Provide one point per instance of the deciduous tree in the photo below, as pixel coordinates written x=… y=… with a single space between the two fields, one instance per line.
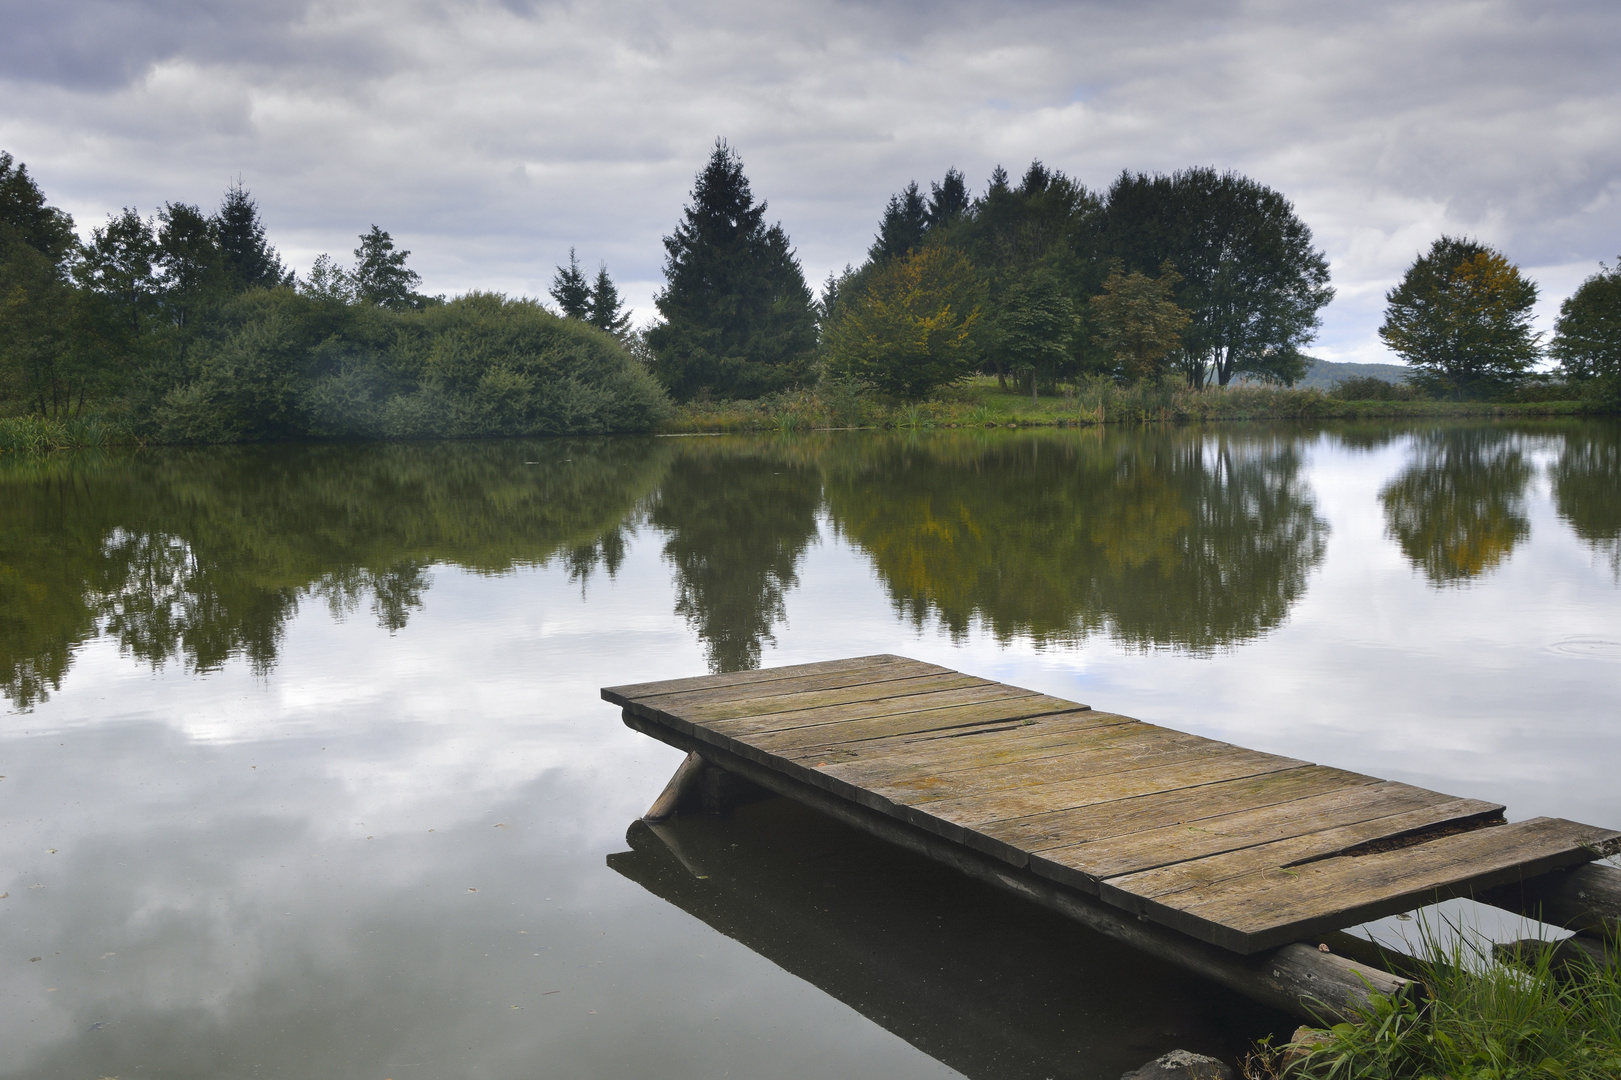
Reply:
x=1252 y=283
x=1461 y=317
x=914 y=326
x=1139 y=325
x=1587 y=337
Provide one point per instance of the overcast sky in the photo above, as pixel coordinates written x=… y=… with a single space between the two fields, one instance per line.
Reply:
x=489 y=137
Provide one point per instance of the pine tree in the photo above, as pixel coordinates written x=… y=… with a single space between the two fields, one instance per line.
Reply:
x=739 y=320
x=381 y=277
x=250 y=261
x=607 y=310
x=570 y=290
x=948 y=200
x=904 y=223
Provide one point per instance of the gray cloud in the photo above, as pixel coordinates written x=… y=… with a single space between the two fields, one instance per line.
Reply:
x=489 y=137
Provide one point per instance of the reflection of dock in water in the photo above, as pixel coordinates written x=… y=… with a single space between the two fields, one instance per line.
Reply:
x=971 y=976
x=1225 y=860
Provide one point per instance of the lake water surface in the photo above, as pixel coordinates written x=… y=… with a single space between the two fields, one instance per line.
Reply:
x=305 y=773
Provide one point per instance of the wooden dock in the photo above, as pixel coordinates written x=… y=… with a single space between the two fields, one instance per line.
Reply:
x=1233 y=848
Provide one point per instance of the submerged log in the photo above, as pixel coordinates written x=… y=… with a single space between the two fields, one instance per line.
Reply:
x=1298 y=978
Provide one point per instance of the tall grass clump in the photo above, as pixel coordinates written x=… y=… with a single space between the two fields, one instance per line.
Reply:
x=1544 y=1014
x=41 y=435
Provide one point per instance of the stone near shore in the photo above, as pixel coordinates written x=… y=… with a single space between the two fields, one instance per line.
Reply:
x=1182 y=1065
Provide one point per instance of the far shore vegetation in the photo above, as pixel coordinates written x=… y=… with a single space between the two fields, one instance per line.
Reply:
x=1182 y=297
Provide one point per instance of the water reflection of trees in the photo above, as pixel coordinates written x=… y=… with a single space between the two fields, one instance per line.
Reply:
x=1458 y=509
x=200 y=556
x=738 y=515
x=1160 y=536
x=1587 y=488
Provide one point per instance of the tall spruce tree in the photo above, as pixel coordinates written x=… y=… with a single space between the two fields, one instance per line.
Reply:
x=250 y=261
x=948 y=200
x=739 y=320
x=607 y=310
x=901 y=231
x=570 y=289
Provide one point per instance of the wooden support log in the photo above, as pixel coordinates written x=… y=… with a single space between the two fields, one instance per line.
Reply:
x=686 y=775
x=1581 y=898
x=1299 y=978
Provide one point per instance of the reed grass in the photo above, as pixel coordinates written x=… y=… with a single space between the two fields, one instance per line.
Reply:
x=42 y=435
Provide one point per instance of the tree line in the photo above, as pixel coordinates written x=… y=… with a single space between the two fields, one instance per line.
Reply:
x=187 y=325
x=1199 y=275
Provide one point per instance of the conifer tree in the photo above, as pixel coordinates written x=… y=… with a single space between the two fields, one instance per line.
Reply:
x=739 y=320
x=904 y=222
x=570 y=289
x=607 y=310
x=381 y=277
x=948 y=200
x=250 y=261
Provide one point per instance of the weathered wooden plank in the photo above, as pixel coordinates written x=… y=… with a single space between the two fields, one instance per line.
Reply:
x=882 y=719
x=1247 y=829
x=883 y=677
x=1201 y=872
x=982 y=762
x=619 y=695
x=989 y=743
x=1264 y=909
x=1043 y=832
x=976 y=811
x=1218 y=847
x=1149 y=748
x=778 y=704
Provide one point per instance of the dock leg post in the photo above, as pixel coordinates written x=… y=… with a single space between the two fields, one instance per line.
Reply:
x=686 y=775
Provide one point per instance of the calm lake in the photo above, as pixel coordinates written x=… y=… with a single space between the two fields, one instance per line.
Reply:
x=305 y=772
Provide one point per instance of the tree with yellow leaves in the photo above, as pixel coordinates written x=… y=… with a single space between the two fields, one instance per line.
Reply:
x=1139 y=325
x=1462 y=318
x=914 y=327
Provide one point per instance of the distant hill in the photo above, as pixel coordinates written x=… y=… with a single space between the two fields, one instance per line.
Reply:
x=1323 y=374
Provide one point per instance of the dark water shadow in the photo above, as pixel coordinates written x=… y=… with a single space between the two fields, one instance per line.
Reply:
x=981 y=981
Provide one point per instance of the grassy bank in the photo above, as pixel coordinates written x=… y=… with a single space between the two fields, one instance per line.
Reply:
x=1482 y=1020
x=981 y=403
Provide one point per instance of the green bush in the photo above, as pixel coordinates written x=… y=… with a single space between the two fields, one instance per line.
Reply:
x=1369 y=388
x=286 y=366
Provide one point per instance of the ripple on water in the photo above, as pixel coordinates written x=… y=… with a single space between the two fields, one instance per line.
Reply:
x=1588 y=648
